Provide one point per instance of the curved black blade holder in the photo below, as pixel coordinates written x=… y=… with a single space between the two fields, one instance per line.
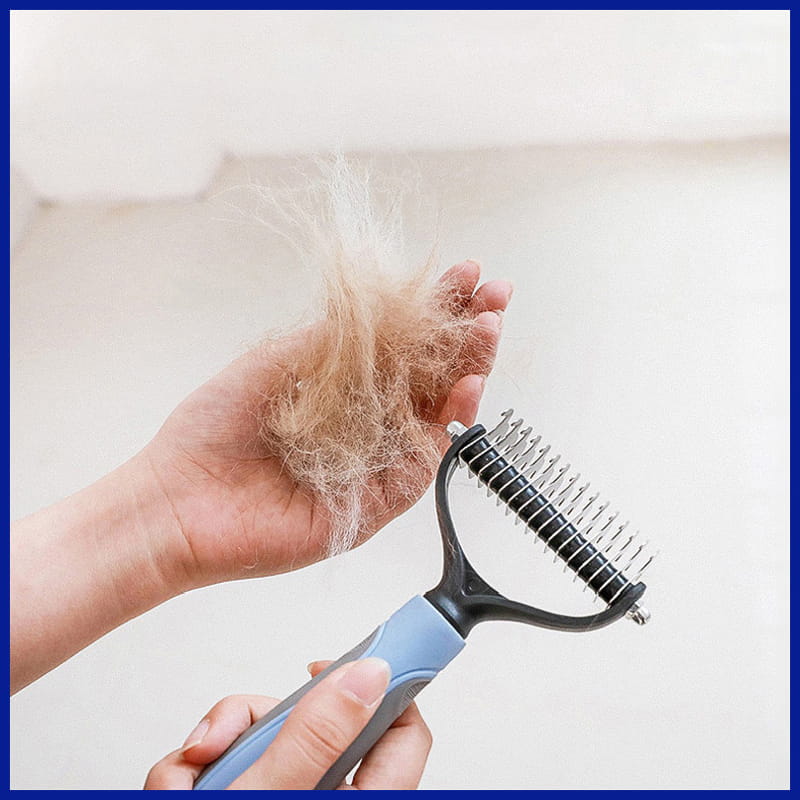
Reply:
x=463 y=597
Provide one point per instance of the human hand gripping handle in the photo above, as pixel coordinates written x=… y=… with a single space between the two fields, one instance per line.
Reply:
x=416 y=642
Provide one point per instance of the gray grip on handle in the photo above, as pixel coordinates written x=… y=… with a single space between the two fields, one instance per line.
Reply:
x=416 y=641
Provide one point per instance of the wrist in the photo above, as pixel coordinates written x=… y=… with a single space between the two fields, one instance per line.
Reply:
x=152 y=533
x=87 y=564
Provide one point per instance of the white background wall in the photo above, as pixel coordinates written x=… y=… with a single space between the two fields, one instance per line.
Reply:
x=647 y=339
x=145 y=104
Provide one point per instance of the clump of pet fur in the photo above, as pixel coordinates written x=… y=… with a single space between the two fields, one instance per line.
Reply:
x=350 y=412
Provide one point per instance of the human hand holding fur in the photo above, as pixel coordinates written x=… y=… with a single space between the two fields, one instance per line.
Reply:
x=210 y=498
x=240 y=510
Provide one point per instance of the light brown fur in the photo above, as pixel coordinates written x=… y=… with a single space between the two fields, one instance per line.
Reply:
x=359 y=397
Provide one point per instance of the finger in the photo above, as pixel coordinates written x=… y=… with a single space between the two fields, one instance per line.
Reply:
x=463 y=401
x=492 y=296
x=477 y=358
x=398 y=760
x=173 y=772
x=320 y=728
x=460 y=282
x=223 y=723
x=315 y=667
x=481 y=347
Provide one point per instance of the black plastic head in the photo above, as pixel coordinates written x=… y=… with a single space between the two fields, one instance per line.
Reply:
x=466 y=599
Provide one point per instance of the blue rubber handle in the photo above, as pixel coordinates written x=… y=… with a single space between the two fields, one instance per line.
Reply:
x=416 y=641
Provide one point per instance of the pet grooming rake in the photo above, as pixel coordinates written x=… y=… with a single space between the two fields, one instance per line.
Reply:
x=423 y=636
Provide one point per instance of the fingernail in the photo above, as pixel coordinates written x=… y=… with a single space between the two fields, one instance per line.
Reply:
x=366 y=680
x=196 y=736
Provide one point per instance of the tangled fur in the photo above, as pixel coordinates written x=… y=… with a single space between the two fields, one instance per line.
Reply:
x=350 y=412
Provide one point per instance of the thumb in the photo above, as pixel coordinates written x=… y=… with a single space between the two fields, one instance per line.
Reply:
x=320 y=728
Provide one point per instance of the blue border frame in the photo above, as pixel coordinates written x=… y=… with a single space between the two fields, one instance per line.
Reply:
x=6 y=335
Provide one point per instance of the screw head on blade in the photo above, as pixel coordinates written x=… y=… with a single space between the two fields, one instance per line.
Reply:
x=455 y=429
x=639 y=614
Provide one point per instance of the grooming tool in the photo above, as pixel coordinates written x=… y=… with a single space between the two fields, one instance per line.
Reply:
x=423 y=636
